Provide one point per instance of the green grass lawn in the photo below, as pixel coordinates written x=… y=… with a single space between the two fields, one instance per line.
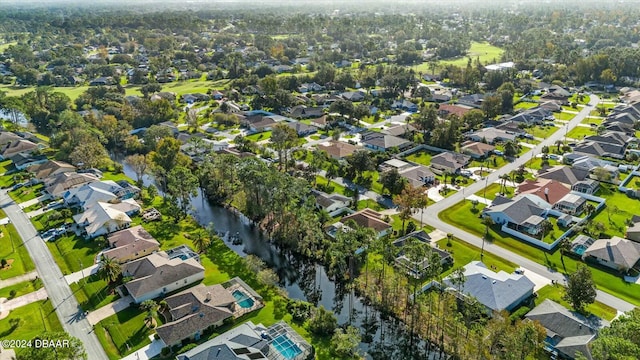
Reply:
x=460 y=215
x=596 y=112
x=493 y=162
x=576 y=98
x=29 y=321
x=332 y=187
x=525 y=105
x=464 y=253
x=563 y=116
x=12 y=249
x=93 y=293
x=26 y=193
x=123 y=333
x=592 y=120
x=6 y=181
x=110 y=175
x=619 y=208
x=542 y=131
x=259 y=136
x=493 y=190
x=4 y=166
x=70 y=251
x=5 y=46
x=421 y=157
x=536 y=163
x=486 y=52
x=22 y=288
x=373 y=176
x=580 y=132
x=556 y=292
x=41 y=222
x=371 y=204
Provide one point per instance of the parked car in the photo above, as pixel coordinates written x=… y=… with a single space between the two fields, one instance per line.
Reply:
x=466 y=173
x=17 y=186
x=498 y=152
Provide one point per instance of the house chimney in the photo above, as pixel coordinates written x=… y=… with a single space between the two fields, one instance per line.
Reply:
x=208 y=298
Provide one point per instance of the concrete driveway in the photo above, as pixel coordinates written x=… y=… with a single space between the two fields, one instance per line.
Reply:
x=104 y=312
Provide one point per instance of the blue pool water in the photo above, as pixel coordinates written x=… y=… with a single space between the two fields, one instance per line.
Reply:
x=286 y=347
x=580 y=249
x=242 y=299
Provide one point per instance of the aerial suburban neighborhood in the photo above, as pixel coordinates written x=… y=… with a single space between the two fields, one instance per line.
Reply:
x=367 y=180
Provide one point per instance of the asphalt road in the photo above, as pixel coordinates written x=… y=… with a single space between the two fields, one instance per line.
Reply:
x=60 y=294
x=431 y=213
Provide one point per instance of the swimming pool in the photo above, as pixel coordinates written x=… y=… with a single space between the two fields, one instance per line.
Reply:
x=579 y=249
x=286 y=347
x=242 y=299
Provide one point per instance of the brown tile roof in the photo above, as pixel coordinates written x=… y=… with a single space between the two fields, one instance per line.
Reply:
x=18 y=146
x=338 y=149
x=367 y=218
x=550 y=191
x=133 y=240
x=44 y=170
x=477 y=148
x=454 y=109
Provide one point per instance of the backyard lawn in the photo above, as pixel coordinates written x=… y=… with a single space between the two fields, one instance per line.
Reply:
x=563 y=116
x=332 y=187
x=592 y=120
x=556 y=292
x=70 y=251
x=124 y=332
x=464 y=253
x=579 y=132
x=618 y=209
x=12 y=249
x=542 y=131
x=493 y=190
x=421 y=157
x=29 y=321
x=259 y=136
x=460 y=215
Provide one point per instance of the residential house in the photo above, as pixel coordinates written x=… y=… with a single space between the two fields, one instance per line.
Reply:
x=57 y=185
x=496 y=291
x=537 y=115
x=258 y=123
x=102 y=81
x=449 y=162
x=405 y=105
x=253 y=342
x=333 y=204
x=417 y=268
x=491 y=135
x=522 y=213
x=130 y=244
x=18 y=147
x=353 y=96
x=366 y=218
x=615 y=253
x=556 y=93
x=88 y=194
x=511 y=127
x=307 y=87
x=601 y=149
x=7 y=137
x=588 y=186
x=564 y=174
x=103 y=218
x=477 y=150
x=156 y=275
x=472 y=100
x=572 y=204
x=338 y=149
x=418 y=175
x=382 y=142
x=50 y=168
x=320 y=122
x=550 y=191
x=400 y=130
x=568 y=332
x=302 y=129
x=633 y=232
x=396 y=164
x=22 y=161
x=304 y=112
x=451 y=109
x=191 y=312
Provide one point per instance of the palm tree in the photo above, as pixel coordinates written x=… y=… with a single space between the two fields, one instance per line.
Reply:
x=589 y=209
x=109 y=269
x=201 y=242
x=151 y=307
x=565 y=247
x=487 y=221
x=546 y=226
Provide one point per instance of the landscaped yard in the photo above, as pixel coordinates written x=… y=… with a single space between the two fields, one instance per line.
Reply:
x=48 y=220
x=493 y=162
x=332 y=187
x=464 y=253
x=371 y=204
x=525 y=105
x=22 y=288
x=12 y=249
x=580 y=132
x=536 y=163
x=26 y=193
x=124 y=332
x=580 y=99
x=563 y=116
x=619 y=208
x=93 y=293
x=73 y=253
x=484 y=51
x=421 y=157
x=592 y=120
x=29 y=321
x=4 y=166
x=542 y=131
x=556 y=292
x=259 y=136
x=460 y=215
x=493 y=190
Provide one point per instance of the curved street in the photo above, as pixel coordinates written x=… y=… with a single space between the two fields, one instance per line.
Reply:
x=431 y=213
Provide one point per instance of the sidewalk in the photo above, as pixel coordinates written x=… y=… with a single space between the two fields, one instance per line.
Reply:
x=28 y=203
x=147 y=352
x=79 y=275
x=18 y=279
x=480 y=199
x=23 y=300
x=111 y=309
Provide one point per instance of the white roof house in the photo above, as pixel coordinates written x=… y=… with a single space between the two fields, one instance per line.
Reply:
x=91 y=193
x=103 y=218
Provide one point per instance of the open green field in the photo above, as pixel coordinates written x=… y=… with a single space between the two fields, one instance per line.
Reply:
x=556 y=292
x=421 y=157
x=12 y=249
x=580 y=132
x=486 y=52
x=462 y=216
x=29 y=321
x=331 y=187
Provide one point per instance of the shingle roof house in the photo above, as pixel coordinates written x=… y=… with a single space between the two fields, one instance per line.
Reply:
x=448 y=161
x=155 y=275
x=381 y=142
x=102 y=218
x=363 y=218
x=50 y=168
x=616 y=253
x=18 y=146
x=58 y=184
x=130 y=244
x=564 y=174
x=548 y=190
x=567 y=332
x=338 y=149
x=190 y=312
x=496 y=291
x=522 y=210
x=491 y=135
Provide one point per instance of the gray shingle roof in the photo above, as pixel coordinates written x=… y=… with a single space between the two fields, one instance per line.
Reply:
x=519 y=209
x=622 y=252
